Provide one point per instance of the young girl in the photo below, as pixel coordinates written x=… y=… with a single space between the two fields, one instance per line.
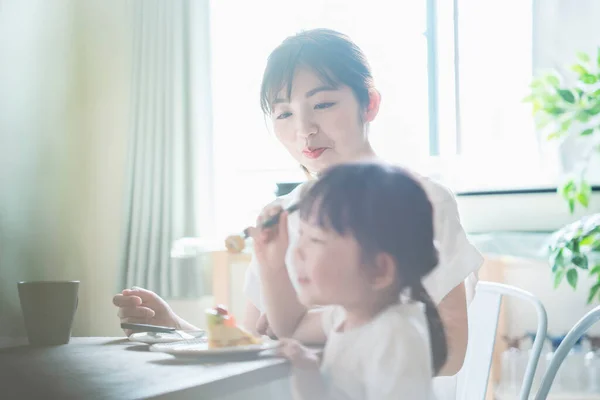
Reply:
x=366 y=242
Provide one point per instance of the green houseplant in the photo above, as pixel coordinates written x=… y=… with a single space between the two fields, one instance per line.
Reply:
x=571 y=109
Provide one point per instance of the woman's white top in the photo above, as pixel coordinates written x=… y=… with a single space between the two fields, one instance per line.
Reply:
x=459 y=259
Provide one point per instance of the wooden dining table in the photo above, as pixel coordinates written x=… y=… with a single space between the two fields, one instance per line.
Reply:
x=116 y=368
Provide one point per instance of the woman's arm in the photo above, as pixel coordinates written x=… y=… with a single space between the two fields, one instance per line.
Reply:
x=251 y=316
x=453 y=311
x=287 y=317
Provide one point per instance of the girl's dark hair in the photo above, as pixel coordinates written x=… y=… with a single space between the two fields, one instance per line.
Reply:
x=388 y=211
x=330 y=54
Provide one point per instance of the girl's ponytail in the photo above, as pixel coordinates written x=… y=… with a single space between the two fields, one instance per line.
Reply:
x=437 y=334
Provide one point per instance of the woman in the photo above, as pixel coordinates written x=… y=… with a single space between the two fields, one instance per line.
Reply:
x=318 y=90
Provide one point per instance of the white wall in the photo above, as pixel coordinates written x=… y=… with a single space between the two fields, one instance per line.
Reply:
x=64 y=81
x=39 y=161
x=103 y=44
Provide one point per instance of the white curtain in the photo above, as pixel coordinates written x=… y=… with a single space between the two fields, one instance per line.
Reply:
x=162 y=192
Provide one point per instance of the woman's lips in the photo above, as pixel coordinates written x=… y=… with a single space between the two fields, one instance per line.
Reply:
x=303 y=281
x=313 y=153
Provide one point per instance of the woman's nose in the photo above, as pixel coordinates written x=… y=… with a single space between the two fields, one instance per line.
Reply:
x=306 y=127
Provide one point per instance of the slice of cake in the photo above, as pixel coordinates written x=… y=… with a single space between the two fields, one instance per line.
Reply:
x=223 y=330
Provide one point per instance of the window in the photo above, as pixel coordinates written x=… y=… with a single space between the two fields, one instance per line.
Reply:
x=482 y=137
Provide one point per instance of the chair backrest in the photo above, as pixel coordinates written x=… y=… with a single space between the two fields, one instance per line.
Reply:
x=483 y=321
x=578 y=330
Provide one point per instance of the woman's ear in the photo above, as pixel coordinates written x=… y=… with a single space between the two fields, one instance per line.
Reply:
x=383 y=271
x=373 y=106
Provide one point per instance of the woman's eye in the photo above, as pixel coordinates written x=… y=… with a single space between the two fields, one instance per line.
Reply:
x=316 y=240
x=322 y=106
x=284 y=115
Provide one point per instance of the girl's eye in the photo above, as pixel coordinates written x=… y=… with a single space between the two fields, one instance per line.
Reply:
x=316 y=240
x=322 y=106
x=284 y=115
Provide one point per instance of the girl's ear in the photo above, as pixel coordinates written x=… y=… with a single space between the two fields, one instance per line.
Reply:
x=383 y=271
x=373 y=106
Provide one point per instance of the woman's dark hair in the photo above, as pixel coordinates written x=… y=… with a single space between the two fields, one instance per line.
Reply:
x=330 y=54
x=387 y=210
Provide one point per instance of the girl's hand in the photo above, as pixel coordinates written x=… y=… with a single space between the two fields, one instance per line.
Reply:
x=300 y=357
x=271 y=244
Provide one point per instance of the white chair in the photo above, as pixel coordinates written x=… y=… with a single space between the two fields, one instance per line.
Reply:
x=483 y=322
x=580 y=328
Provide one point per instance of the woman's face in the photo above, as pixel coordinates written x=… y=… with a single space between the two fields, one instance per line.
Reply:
x=321 y=125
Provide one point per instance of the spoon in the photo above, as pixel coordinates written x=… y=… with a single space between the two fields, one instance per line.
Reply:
x=236 y=243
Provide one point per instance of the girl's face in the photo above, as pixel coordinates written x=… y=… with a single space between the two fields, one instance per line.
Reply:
x=321 y=125
x=330 y=268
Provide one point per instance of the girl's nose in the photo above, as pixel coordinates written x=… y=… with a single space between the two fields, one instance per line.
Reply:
x=299 y=252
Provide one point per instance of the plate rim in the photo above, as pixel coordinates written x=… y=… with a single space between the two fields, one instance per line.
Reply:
x=253 y=348
x=132 y=338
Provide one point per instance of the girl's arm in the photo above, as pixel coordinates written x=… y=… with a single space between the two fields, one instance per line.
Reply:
x=307 y=381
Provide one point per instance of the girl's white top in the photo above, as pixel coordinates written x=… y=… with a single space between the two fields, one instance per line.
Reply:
x=387 y=358
x=459 y=259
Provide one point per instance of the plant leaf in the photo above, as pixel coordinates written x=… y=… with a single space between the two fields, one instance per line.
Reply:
x=558 y=277
x=579 y=69
x=581 y=261
x=589 y=79
x=572 y=277
x=585 y=191
x=574 y=245
x=555 y=135
x=568 y=189
x=571 y=203
x=553 y=110
x=583 y=199
x=595 y=110
x=583 y=57
x=593 y=291
x=583 y=116
x=595 y=270
x=587 y=132
x=553 y=80
x=557 y=260
x=566 y=95
x=588 y=240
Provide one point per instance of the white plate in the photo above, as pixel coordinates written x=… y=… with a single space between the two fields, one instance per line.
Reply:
x=160 y=337
x=199 y=349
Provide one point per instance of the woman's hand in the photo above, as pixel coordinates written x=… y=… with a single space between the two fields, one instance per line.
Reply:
x=263 y=328
x=141 y=306
x=271 y=244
